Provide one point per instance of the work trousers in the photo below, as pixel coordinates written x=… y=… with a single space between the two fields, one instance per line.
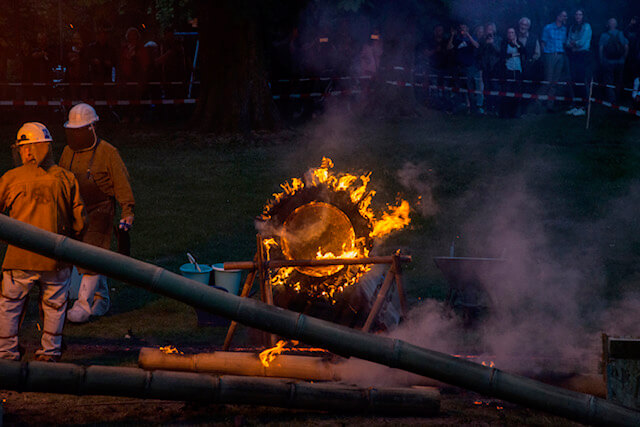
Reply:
x=16 y=285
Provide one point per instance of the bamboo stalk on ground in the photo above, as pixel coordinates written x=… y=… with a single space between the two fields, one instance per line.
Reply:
x=238 y=363
x=67 y=378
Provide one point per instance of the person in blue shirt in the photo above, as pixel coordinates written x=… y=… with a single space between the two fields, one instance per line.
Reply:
x=554 y=37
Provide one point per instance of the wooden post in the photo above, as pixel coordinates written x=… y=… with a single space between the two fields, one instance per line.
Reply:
x=589 y=104
x=382 y=295
x=246 y=289
x=266 y=294
x=397 y=267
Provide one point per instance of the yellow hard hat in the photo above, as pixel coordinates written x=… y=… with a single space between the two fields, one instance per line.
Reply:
x=33 y=132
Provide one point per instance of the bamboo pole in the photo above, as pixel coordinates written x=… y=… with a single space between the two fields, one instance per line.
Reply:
x=250 y=265
x=310 y=368
x=66 y=378
x=335 y=338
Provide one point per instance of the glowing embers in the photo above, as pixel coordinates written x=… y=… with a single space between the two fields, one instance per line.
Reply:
x=318 y=230
x=324 y=216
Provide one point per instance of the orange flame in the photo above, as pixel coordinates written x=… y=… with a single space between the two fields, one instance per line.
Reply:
x=395 y=218
x=169 y=349
x=269 y=355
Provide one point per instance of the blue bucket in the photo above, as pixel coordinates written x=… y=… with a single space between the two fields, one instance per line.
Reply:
x=203 y=276
x=227 y=279
x=189 y=271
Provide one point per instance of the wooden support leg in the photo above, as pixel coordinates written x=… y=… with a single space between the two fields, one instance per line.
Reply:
x=397 y=265
x=246 y=289
x=266 y=293
x=382 y=295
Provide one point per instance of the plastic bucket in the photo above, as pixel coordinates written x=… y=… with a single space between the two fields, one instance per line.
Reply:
x=227 y=279
x=189 y=271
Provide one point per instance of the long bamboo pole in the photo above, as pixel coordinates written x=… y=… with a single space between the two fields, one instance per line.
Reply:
x=335 y=338
x=310 y=368
x=250 y=265
x=66 y=378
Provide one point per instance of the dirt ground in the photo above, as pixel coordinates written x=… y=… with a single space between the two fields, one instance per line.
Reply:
x=457 y=408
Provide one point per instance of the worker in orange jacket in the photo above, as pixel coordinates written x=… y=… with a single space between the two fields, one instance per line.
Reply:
x=103 y=180
x=47 y=196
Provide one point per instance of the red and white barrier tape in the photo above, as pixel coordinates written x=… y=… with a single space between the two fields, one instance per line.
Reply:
x=627 y=110
x=90 y=84
x=509 y=94
x=544 y=82
x=317 y=94
x=98 y=103
x=323 y=79
x=626 y=89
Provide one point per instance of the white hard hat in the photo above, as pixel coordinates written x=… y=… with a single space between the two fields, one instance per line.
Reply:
x=81 y=115
x=33 y=132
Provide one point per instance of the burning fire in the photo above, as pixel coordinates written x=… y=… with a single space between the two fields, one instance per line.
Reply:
x=325 y=215
x=269 y=355
x=169 y=349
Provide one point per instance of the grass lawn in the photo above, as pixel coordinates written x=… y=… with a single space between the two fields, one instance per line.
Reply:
x=200 y=193
x=541 y=188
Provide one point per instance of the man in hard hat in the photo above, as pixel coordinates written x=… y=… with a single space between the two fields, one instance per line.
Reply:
x=47 y=196
x=103 y=180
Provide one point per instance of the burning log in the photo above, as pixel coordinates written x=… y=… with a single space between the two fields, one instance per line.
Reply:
x=66 y=378
x=237 y=363
x=337 y=339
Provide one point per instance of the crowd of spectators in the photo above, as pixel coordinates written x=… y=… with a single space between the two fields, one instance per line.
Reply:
x=104 y=67
x=457 y=65
x=560 y=58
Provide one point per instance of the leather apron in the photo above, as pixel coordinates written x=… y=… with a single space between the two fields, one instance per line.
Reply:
x=99 y=205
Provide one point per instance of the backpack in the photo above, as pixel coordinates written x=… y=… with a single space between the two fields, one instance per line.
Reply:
x=614 y=49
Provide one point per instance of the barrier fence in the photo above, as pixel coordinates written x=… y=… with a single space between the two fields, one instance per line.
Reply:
x=326 y=92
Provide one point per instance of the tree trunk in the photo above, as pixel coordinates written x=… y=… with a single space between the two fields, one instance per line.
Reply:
x=235 y=94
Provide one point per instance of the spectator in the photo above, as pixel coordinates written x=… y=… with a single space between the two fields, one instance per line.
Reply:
x=133 y=67
x=102 y=59
x=578 y=49
x=531 y=46
x=173 y=67
x=438 y=63
x=77 y=68
x=4 y=60
x=513 y=55
x=632 y=65
x=464 y=47
x=478 y=33
x=39 y=67
x=613 y=50
x=554 y=37
x=490 y=60
x=370 y=55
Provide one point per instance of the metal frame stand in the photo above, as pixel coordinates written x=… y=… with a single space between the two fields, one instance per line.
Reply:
x=261 y=267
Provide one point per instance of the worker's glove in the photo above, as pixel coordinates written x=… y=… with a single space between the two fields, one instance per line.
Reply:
x=124 y=225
